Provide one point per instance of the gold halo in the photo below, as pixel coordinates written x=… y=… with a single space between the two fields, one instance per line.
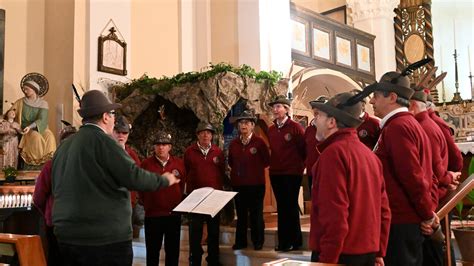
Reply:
x=38 y=78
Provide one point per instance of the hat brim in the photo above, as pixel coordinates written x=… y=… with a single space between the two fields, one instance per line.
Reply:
x=287 y=102
x=162 y=142
x=313 y=103
x=89 y=112
x=249 y=118
x=204 y=129
x=339 y=114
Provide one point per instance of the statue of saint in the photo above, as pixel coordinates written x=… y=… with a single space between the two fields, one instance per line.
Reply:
x=9 y=131
x=37 y=145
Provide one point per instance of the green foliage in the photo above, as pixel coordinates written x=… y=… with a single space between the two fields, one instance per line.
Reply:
x=10 y=171
x=153 y=85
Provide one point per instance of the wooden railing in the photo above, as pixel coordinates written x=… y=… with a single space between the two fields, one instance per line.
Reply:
x=448 y=204
x=28 y=248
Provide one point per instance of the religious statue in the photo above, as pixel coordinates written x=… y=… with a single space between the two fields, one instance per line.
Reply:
x=9 y=131
x=37 y=143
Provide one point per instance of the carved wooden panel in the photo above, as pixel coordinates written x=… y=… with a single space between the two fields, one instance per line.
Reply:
x=414 y=36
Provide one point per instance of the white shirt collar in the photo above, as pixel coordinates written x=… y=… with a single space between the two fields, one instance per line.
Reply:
x=282 y=122
x=392 y=113
x=163 y=163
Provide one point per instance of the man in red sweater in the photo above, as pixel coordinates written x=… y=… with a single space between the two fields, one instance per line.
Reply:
x=455 y=160
x=248 y=158
x=287 y=157
x=312 y=152
x=350 y=216
x=369 y=130
x=405 y=152
x=121 y=133
x=443 y=180
x=204 y=164
x=159 y=221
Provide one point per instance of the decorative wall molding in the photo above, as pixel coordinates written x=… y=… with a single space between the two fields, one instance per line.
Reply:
x=369 y=9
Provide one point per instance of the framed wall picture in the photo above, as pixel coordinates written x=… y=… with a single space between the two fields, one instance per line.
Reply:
x=364 y=58
x=343 y=51
x=322 y=44
x=299 y=36
x=112 y=54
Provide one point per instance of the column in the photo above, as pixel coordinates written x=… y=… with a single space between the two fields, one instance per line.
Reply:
x=376 y=17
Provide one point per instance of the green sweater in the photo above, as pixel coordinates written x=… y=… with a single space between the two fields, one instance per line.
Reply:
x=91 y=176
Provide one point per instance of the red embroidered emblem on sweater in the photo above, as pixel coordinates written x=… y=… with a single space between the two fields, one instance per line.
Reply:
x=287 y=136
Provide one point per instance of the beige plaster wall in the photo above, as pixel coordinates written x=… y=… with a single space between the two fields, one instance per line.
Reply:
x=59 y=60
x=24 y=44
x=224 y=32
x=155 y=37
x=319 y=5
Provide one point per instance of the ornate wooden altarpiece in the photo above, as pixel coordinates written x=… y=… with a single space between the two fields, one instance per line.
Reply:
x=414 y=36
x=321 y=42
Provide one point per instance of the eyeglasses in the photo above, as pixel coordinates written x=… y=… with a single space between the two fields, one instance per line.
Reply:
x=112 y=112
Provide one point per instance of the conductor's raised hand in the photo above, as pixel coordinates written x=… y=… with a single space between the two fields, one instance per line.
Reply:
x=171 y=178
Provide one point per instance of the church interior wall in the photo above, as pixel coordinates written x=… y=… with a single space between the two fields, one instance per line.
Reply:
x=224 y=33
x=155 y=28
x=24 y=44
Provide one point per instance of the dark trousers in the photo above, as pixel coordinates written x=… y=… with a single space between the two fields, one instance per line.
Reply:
x=53 y=247
x=310 y=184
x=286 y=189
x=116 y=254
x=405 y=245
x=434 y=252
x=195 y=236
x=157 y=228
x=249 y=204
x=352 y=260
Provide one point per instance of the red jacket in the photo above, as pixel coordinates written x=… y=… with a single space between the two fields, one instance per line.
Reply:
x=287 y=147
x=405 y=152
x=163 y=201
x=440 y=157
x=312 y=152
x=131 y=152
x=248 y=162
x=369 y=130
x=350 y=210
x=455 y=160
x=42 y=196
x=204 y=171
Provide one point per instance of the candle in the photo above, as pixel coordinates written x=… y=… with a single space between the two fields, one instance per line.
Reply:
x=454 y=31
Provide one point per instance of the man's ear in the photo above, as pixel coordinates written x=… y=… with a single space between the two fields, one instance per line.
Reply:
x=393 y=97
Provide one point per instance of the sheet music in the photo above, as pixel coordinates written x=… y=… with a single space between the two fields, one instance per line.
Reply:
x=193 y=199
x=214 y=202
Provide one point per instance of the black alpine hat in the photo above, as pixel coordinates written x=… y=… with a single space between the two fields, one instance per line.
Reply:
x=280 y=99
x=246 y=115
x=336 y=107
x=94 y=103
x=205 y=126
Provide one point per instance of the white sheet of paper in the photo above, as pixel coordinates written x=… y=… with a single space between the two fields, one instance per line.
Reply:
x=214 y=202
x=193 y=199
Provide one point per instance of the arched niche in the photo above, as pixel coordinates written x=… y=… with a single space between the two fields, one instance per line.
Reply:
x=316 y=82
